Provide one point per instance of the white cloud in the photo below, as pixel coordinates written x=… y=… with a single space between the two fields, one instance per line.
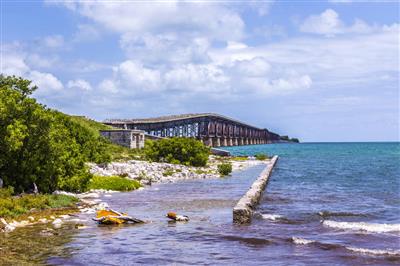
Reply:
x=329 y=24
x=255 y=67
x=40 y=61
x=45 y=81
x=54 y=41
x=193 y=78
x=138 y=77
x=164 y=48
x=79 y=84
x=86 y=32
x=197 y=18
x=16 y=62
x=108 y=86
x=12 y=62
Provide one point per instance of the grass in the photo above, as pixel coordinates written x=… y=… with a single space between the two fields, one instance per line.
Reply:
x=116 y=183
x=14 y=206
x=239 y=158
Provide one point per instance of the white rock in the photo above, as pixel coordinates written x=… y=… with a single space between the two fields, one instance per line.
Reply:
x=9 y=228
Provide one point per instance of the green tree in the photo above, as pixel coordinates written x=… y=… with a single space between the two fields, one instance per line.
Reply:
x=43 y=146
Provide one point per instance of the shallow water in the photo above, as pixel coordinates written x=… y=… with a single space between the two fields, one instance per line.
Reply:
x=326 y=204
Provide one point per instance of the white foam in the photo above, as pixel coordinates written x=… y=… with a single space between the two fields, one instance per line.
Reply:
x=362 y=226
x=375 y=251
x=272 y=217
x=301 y=241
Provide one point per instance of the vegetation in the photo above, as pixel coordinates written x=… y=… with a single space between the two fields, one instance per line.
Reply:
x=286 y=138
x=224 y=169
x=13 y=206
x=185 y=151
x=168 y=172
x=116 y=183
x=46 y=147
x=261 y=156
x=239 y=158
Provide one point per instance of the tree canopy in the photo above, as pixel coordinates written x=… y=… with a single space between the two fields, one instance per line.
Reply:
x=43 y=146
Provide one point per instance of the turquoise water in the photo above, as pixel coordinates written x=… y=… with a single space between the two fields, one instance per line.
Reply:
x=325 y=204
x=338 y=195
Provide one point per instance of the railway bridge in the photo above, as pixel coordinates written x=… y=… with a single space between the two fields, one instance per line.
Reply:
x=212 y=129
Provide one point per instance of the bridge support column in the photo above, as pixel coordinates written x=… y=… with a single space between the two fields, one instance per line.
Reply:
x=224 y=142
x=235 y=142
x=230 y=142
x=207 y=141
x=216 y=142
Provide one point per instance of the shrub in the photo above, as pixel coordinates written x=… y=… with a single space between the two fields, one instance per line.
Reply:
x=261 y=156
x=11 y=207
x=224 y=169
x=76 y=183
x=116 y=183
x=185 y=151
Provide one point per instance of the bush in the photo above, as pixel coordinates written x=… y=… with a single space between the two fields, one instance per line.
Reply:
x=76 y=183
x=116 y=183
x=224 y=169
x=261 y=156
x=185 y=151
x=11 y=207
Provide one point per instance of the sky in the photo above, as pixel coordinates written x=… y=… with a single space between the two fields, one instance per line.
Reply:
x=315 y=70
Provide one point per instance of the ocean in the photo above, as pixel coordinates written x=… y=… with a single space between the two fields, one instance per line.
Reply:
x=325 y=204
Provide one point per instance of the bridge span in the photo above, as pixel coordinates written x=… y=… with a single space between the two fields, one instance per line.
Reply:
x=212 y=129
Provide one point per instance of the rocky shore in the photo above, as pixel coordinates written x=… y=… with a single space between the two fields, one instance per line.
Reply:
x=143 y=171
x=152 y=172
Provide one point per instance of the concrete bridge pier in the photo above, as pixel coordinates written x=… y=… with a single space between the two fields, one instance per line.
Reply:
x=224 y=142
x=230 y=142
x=236 y=142
x=207 y=141
x=216 y=142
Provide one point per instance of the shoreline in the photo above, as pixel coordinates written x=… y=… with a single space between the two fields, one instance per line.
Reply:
x=154 y=172
x=145 y=172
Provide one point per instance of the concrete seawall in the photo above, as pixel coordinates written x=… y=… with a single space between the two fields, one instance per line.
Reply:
x=243 y=211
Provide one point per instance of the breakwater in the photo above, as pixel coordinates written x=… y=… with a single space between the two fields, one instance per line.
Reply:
x=243 y=211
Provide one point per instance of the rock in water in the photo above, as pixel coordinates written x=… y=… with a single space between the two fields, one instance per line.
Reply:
x=176 y=217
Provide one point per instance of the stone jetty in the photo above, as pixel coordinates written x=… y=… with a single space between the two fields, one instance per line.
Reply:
x=243 y=211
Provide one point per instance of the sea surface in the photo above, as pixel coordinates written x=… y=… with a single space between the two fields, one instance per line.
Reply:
x=325 y=204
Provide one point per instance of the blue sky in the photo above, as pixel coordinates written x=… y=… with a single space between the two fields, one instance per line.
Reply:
x=316 y=70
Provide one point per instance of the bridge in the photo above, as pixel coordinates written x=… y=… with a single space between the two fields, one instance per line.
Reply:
x=212 y=129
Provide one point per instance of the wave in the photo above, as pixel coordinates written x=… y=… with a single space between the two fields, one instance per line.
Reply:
x=389 y=252
x=327 y=246
x=272 y=217
x=301 y=241
x=362 y=226
x=326 y=214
